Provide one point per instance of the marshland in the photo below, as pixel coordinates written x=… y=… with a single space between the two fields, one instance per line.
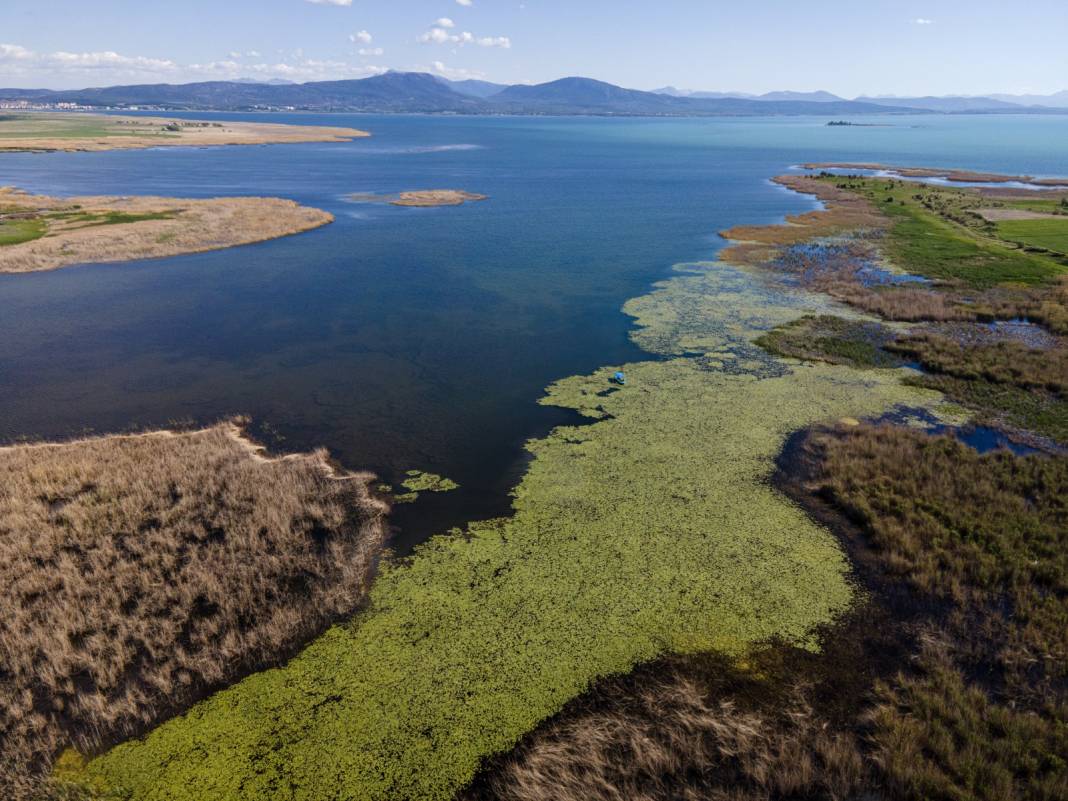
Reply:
x=770 y=565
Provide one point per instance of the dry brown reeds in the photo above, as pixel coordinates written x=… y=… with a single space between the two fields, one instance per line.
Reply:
x=670 y=741
x=141 y=571
x=100 y=229
x=425 y=198
x=844 y=211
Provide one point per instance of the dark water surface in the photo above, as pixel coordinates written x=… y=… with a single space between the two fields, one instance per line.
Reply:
x=417 y=338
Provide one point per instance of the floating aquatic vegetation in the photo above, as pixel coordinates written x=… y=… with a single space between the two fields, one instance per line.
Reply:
x=652 y=530
x=418 y=481
x=714 y=308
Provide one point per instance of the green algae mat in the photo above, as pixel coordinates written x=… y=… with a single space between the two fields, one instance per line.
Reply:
x=652 y=529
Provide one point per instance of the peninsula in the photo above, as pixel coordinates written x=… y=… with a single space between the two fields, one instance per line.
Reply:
x=92 y=132
x=38 y=232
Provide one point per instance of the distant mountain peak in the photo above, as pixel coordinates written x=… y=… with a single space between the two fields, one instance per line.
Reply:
x=420 y=92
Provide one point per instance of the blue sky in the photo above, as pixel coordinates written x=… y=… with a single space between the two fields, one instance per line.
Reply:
x=850 y=48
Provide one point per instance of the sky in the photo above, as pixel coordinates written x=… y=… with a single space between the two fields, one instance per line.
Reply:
x=849 y=47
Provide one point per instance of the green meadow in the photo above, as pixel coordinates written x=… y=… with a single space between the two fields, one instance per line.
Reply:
x=1048 y=234
x=935 y=234
x=14 y=232
x=70 y=126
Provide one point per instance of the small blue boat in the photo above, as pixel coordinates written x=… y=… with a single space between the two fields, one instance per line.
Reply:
x=619 y=378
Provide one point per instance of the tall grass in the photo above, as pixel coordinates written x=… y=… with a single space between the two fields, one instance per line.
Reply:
x=141 y=571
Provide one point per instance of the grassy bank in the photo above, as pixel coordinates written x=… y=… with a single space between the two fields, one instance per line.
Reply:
x=1050 y=234
x=940 y=233
x=15 y=232
x=145 y=570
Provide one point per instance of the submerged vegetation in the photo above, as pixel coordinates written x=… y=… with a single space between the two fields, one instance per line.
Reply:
x=144 y=570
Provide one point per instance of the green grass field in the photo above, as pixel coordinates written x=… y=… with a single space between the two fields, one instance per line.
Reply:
x=13 y=232
x=935 y=235
x=70 y=126
x=1049 y=234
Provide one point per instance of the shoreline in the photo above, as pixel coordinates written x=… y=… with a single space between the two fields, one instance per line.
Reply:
x=949 y=174
x=705 y=491
x=654 y=529
x=80 y=132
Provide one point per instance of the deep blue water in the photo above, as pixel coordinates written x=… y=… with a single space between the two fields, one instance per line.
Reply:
x=418 y=338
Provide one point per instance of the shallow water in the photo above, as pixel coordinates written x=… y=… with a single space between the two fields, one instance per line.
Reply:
x=417 y=338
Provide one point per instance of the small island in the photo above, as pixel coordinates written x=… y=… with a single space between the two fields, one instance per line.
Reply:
x=419 y=198
x=43 y=132
x=426 y=198
x=38 y=232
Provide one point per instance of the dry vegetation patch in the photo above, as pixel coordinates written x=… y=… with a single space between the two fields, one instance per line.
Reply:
x=436 y=197
x=141 y=571
x=843 y=211
x=670 y=739
x=80 y=230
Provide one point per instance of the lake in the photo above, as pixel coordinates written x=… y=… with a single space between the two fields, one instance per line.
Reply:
x=419 y=338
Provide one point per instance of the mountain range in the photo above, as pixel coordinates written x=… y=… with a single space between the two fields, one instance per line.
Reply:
x=413 y=92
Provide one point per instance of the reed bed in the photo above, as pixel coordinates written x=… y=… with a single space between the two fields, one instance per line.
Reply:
x=141 y=571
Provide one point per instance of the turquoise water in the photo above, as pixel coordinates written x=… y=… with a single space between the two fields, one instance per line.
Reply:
x=418 y=338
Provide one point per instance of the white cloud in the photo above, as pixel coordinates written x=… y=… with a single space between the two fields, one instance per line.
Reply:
x=361 y=37
x=455 y=73
x=445 y=22
x=108 y=67
x=465 y=3
x=922 y=21
x=330 y=2
x=440 y=34
x=435 y=35
x=371 y=51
